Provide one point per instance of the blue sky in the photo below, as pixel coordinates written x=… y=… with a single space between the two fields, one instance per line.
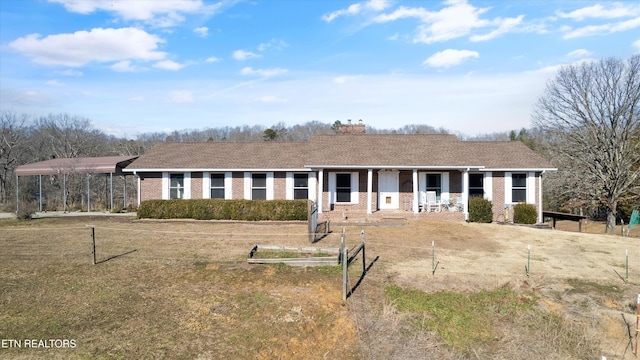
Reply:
x=472 y=67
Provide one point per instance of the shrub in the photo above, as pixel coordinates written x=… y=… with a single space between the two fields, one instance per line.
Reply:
x=524 y=214
x=480 y=210
x=218 y=209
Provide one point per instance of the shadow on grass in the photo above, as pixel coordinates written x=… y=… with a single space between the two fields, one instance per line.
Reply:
x=364 y=273
x=116 y=256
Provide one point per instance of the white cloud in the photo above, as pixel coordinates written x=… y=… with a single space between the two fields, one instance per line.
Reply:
x=212 y=59
x=163 y=13
x=450 y=57
x=274 y=43
x=136 y=98
x=202 y=31
x=357 y=8
x=123 y=66
x=82 y=47
x=616 y=10
x=579 y=53
x=262 y=72
x=242 y=55
x=54 y=82
x=69 y=72
x=593 y=30
x=457 y=19
x=181 y=96
x=168 y=65
x=504 y=26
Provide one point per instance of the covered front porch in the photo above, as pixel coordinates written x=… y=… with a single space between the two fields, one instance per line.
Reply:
x=372 y=193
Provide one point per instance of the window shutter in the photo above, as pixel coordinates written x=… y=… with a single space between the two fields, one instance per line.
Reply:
x=270 y=182
x=247 y=185
x=444 y=178
x=313 y=189
x=332 y=188
x=228 y=180
x=487 y=183
x=165 y=185
x=289 y=186
x=355 y=192
x=206 y=185
x=187 y=185
x=531 y=188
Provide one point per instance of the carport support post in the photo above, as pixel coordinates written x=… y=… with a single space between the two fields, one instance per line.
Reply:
x=111 y=189
x=40 y=197
x=88 y=193
x=64 y=192
x=125 y=191
x=17 y=195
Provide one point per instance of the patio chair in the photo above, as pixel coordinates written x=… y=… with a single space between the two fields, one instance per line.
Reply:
x=459 y=205
x=432 y=203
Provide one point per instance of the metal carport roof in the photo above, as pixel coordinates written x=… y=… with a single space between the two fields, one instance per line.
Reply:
x=81 y=165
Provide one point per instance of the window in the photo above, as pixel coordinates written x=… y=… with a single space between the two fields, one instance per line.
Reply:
x=476 y=185
x=434 y=183
x=217 y=186
x=300 y=186
x=258 y=186
x=176 y=186
x=518 y=188
x=343 y=188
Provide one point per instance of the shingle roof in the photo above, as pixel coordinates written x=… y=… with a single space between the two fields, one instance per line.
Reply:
x=81 y=165
x=373 y=151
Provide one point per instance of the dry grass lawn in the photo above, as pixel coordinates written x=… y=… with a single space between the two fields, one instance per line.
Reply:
x=183 y=290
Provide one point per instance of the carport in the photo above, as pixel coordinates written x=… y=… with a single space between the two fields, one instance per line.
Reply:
x=107 y=165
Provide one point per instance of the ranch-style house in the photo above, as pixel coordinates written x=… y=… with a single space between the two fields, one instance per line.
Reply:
x=350 y=173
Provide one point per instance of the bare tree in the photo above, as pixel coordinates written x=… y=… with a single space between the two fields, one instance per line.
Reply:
x=13 y=132
x=591 y=113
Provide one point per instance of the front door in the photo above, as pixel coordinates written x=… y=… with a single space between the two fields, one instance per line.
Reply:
x=388 y=197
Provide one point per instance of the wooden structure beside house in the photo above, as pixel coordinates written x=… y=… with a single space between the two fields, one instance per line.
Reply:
x=350 y=173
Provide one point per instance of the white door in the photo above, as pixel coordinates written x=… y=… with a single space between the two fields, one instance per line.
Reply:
x=388 y=196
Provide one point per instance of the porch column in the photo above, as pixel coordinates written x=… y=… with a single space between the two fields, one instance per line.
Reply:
x=369 y=190
x=111 y=189
x=540 y=219
x=465 y=193
x=64 y=192
x=415 y=205
x=320 y=189
x=139 y=190
x=88 y=193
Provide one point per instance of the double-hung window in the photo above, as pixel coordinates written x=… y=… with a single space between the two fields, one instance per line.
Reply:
x=300 y=186
x=518 y=187
x=176 y=186
x=258 y=186
x=343 y=188
x=476 y=185
x=217 y=186
x=434 y=183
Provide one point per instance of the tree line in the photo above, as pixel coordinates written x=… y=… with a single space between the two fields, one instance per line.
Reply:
x=586 y=123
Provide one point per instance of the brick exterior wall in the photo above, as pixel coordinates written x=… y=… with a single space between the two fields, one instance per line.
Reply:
x=151 y=186
x=237 y=185
x=196 y=185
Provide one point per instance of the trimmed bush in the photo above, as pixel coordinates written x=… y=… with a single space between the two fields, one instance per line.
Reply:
x=524 y=214
x=218 y=209
x=480 y=210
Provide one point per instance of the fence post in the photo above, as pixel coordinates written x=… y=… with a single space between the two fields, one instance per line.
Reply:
x=93 y=244
x=345 y=270
x=364 y=262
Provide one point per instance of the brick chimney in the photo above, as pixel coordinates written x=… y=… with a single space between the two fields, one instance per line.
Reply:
x=352 y=129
